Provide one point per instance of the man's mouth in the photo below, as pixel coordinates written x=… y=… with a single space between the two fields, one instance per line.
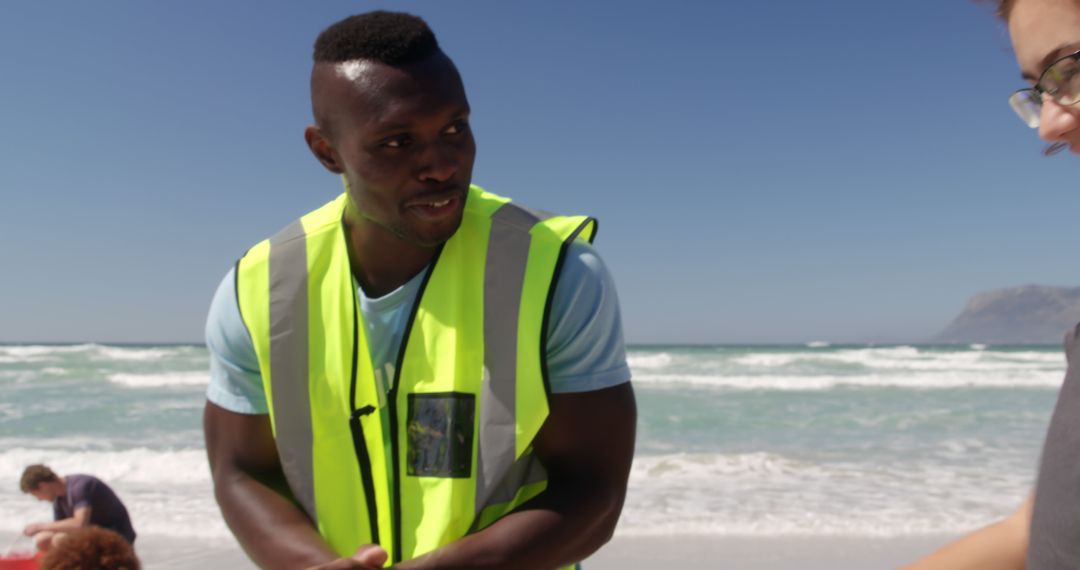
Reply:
x=436 y=207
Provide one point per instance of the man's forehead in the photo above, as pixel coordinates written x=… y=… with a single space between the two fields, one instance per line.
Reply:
x=362 y=72
x=358 y=75
x=351 y=70
x=364 y=76
x=340 y=86
x=374 y=92
x=376 y=79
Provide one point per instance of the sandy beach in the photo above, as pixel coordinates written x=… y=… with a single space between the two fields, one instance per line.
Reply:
x=623 y=553
x=772 y=553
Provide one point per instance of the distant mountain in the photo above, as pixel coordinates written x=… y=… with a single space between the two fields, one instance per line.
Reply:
x=1032 y=314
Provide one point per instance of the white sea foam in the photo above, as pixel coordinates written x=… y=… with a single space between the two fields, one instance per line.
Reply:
x=15 y=354
x=131 y=353
x=817 y=344
x=1027 y=379
x=761 y=494
x=916 y=360
x=30 y=350
x=881 y=360
x=765 y=494
x=648 y=360
x=769 y=359
x=159 y=380
x=140 y=465
x=1054 y=357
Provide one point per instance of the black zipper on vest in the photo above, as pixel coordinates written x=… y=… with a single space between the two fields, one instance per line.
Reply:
x=391 y=399
x=363 y=459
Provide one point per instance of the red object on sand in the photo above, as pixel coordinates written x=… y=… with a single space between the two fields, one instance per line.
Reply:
x=20 y=561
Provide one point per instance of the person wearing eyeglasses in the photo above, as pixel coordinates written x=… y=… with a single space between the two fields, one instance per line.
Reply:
x=1048 y=105
x=1044 y=533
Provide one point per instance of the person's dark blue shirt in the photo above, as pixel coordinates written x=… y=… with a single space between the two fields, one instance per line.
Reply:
x=106 y=509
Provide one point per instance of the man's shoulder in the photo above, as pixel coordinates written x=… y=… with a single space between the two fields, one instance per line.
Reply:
x=507 y=209
x=583 y=261
x=79 y=485
x=81 y=479
x=326 y=217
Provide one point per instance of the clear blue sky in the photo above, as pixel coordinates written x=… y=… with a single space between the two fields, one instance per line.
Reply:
x=763 y=171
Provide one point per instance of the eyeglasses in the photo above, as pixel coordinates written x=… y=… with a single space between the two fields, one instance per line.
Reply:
x=1060 y=82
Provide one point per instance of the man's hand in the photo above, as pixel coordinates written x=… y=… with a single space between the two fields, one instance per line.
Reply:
x=34 y=528
x=367 y=557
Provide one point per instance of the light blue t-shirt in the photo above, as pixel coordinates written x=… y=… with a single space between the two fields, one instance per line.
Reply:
x=585 y=349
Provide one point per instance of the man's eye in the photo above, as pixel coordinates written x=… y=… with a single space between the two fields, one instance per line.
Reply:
x=396 y=142
x=456 y=128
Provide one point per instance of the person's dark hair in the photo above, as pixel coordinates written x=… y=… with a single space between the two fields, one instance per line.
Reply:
x=393 y=38
x=35 y=475
x=90 y=547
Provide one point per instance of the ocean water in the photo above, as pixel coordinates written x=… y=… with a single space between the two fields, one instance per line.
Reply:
x=732 y=440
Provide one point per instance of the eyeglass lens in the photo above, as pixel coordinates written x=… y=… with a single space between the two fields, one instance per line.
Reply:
x=1028 y=105
x=1060 y=81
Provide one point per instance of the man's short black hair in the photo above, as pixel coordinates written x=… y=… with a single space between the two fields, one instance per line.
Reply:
x=393 y=38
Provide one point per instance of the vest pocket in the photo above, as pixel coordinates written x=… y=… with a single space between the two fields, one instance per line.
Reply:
x=440 y=434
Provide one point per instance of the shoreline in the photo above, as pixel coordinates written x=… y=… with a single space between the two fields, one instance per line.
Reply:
x=634 y=552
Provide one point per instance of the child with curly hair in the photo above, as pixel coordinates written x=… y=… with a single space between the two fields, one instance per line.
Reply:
x=90 y=547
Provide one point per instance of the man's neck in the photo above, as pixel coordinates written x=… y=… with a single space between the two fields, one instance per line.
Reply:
x=380 y=261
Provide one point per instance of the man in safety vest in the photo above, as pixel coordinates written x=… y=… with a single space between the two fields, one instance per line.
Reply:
x=419 y=373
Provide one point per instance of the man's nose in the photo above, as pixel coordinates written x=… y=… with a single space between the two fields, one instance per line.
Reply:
x=439 y=163
x=1056 y=121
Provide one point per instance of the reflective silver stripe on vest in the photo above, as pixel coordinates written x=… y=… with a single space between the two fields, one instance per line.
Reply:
x=524 y=471
x=289 y=361
x=504 y=278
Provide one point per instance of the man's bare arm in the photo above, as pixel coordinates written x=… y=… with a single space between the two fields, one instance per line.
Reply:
x=999 y=546
x=250 y=490
x=587 y=446
x=80 y=519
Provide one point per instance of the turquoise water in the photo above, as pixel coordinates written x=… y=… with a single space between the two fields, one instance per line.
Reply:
x=752 y=440
x=836 y=439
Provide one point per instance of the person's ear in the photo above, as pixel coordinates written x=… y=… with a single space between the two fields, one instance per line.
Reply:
x=323 y=149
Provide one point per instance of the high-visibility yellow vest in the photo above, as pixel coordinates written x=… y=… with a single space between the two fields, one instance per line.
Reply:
x=470 y=391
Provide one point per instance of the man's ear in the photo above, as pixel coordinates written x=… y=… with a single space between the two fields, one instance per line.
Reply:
x=323 y=149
